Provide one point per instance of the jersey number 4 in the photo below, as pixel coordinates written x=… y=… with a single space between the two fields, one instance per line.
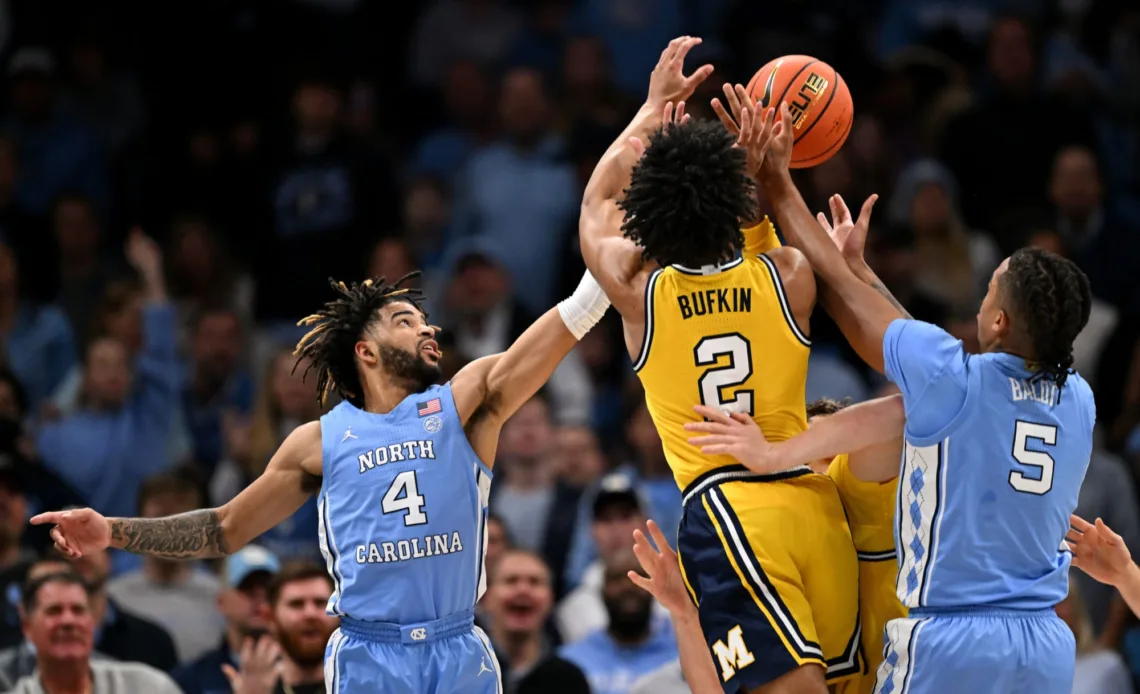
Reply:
x=715 y=380
x=404 y=495
x=1043 y=463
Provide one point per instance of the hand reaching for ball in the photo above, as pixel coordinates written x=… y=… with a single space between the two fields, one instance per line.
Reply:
x=668 y=82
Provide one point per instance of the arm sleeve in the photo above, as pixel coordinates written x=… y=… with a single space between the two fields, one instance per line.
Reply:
x=929 y=367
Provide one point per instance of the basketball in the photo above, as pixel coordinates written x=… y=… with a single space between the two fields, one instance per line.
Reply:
x=818 y=100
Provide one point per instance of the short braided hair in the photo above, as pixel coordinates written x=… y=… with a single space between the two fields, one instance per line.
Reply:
x=329 y=344
x=1051 y=299
x=688 y=195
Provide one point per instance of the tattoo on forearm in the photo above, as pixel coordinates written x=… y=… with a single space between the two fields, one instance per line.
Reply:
x=881 y=288
x=194 y=535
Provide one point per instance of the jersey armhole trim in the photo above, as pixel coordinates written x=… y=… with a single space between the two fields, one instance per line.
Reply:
x=789 y=318
x=647 y=333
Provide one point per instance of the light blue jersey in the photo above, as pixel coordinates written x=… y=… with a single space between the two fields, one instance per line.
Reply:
x=991 y=470
x=403 y=511
x=992 y=465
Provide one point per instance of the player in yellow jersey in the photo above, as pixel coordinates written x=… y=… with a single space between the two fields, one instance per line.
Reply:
x=867 y=482
x=768 y=559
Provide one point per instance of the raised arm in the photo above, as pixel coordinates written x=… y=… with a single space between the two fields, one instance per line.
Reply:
x=614 y=260
x=860 y=311
x=489 y=390
x=865 y=426
x=208 y=533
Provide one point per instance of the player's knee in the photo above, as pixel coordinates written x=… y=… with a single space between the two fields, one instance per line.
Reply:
x=806 y=679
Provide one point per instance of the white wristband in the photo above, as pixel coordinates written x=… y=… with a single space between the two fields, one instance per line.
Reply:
x=585 y=307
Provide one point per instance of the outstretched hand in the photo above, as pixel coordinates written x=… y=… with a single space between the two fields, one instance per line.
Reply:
x=849 y=235
x=1098 y=551
x=734 y=434
x=668 y=82
x=77 y=533
x=662 y=568
x=755 y=136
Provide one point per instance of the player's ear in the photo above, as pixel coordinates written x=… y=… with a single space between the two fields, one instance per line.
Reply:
x=366 y=352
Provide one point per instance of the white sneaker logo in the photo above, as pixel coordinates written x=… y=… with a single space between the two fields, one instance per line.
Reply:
x=348 y=435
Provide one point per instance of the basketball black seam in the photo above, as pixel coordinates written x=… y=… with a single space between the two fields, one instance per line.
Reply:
x=791 y=82
x=818 y=118
x=841 y=139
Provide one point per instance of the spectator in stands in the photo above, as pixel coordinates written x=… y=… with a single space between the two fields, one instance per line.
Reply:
x=391 y=258
x=177 y=595
x=82 y=271
x=18 y=659
x=58 y=154
x=482 y=30
x=520 y=596
x=243 y=603
x=426 y=215
x=58 y=623
x=577 y=455
x=520 y=193
x=37 y=342
x=118 y=633
x=648 y=472
x=203 y=274
x=300 y=629
x=468 y=103
x=617 y=512
x=217 y=385
x=20 y=229
x=284 y=402
x=632 y=644
x=537 y=510
x=120 y=433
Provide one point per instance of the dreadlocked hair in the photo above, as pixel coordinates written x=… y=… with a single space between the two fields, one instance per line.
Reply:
x=688 y=196
x=329 y=344
x=1052 y=300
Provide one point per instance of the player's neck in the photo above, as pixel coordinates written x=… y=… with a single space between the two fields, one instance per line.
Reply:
x=294 y=674
x=70 y=676
x=382 y=393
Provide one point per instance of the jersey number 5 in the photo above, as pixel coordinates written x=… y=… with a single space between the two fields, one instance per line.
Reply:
x=714 y=380
x=404 y=495
x=1043 y=462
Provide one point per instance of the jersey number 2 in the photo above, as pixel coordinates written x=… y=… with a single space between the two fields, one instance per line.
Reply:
x=739 y=367
x=1044 y=462
x=404 y=495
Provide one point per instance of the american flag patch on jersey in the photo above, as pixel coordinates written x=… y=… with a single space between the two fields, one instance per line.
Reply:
x=432 y=406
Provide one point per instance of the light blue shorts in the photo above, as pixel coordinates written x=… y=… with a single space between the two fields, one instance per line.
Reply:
x=977 y=652
x=447 y=656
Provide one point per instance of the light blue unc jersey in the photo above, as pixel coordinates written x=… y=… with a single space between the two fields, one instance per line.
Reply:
x=403 y=511
x=991 y=469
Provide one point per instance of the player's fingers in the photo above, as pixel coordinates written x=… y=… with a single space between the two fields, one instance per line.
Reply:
x=659 y=538
x=700 y=75
x=679 y=114
x=231 y=674
x=61 y=542
x=868 y=205
x=822 y=219
x=667 y=115
x=722 y=114
x=682 y=50
x=637 y=145
x=706 y=427
x=645 y=556
x=714 y=440
x=842 y=205
x=836 y=213
x=671 y=50
x=1073 y=538
x=719 y=449
x=745 y=127
x=743 y=418
x=1111 y=536
x=49 y=517
x=712 y=413
x=1079 y=523
x=730 y=98
x=641 y=581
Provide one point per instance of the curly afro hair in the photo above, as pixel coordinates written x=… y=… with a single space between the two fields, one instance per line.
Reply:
x=688 y=196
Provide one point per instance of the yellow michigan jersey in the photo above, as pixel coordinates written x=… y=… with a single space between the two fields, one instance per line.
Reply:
x=871 y=512
x=768 y=560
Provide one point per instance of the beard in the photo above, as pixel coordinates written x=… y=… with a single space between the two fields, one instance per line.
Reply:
x=306 y=653
x=410 y=367
x=629 y=617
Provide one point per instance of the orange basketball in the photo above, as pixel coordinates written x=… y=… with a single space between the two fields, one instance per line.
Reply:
x=818 y=99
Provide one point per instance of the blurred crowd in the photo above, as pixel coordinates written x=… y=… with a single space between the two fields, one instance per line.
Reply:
x=178 y=181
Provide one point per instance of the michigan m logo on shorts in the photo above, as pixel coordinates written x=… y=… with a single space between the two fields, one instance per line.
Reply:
x=733 y=656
